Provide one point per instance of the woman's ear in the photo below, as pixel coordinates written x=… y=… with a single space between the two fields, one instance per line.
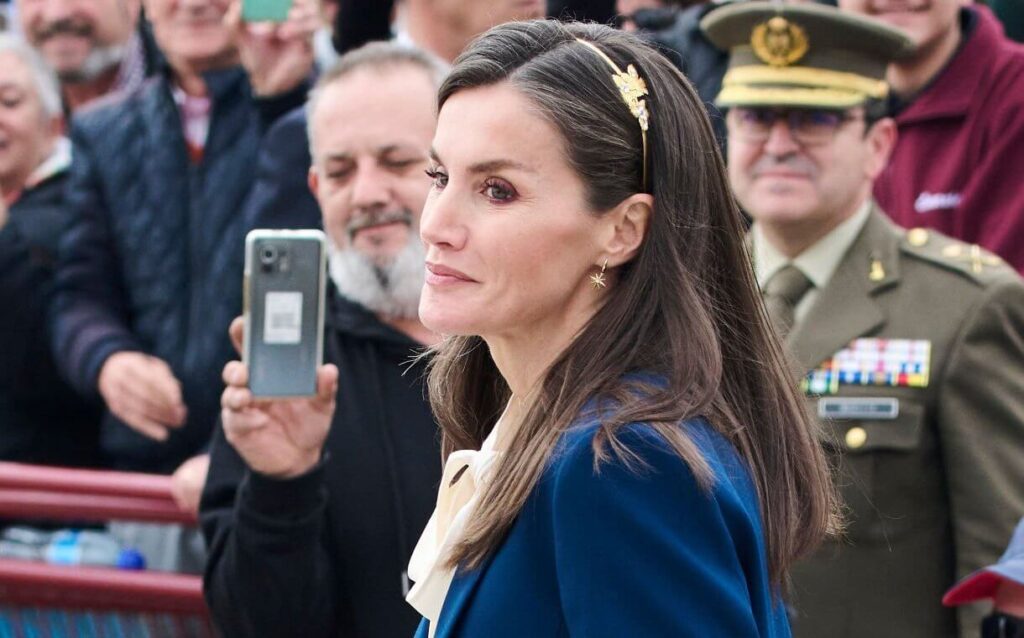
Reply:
x=629 y=222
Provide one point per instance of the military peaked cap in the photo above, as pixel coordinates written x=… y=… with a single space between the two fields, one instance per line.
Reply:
x=806 y=55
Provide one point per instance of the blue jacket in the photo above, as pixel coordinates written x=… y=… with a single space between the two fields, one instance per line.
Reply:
x=152 y=261
x=621 y=552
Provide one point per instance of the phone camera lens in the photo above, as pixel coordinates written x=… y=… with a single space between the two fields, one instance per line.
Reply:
x=268 y=255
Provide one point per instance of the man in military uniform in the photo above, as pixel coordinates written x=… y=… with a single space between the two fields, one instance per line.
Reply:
x=910 y=344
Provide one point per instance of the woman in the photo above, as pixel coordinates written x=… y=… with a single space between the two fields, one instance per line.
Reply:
x=645 y=467
x=42 y=420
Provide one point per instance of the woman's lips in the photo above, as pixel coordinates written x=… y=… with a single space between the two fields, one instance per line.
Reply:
x=438 y=275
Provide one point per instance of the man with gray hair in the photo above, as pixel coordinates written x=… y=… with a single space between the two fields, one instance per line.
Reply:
x=95 y=46
x=42 y=420
x=310 y=535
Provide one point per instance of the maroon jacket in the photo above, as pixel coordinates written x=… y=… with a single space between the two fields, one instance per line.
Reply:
x=958 y=165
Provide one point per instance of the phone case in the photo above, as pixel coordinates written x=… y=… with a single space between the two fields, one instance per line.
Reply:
x=285 y=272
x=265 y=10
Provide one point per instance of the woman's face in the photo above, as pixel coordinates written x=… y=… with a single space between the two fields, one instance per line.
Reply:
x=510 y=241
x=26 y=133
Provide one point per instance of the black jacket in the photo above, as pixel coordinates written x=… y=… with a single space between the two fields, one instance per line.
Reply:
x=280 y=195
x=324 y=554
x=153 y=260
x=360 y=21
x=42 y=420
x=600 y=11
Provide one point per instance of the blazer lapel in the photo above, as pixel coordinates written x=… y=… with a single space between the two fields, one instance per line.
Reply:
x=459 y=594
x=846 y=308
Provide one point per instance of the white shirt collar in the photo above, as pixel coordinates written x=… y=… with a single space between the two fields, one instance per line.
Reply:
x=58 y=161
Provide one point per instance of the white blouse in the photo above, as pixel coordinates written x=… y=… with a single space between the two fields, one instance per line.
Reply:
x=466 y=472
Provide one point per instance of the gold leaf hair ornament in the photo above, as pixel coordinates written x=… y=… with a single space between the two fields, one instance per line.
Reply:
x=633 y=90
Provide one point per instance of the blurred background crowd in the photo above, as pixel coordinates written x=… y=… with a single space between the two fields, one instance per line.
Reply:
x=140 y=140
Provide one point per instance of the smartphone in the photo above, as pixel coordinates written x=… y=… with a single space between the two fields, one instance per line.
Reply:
x=285 y=272
x=265 y=10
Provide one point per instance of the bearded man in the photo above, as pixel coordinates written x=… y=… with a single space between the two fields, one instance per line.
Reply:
x=95 y=47
x=311 y=537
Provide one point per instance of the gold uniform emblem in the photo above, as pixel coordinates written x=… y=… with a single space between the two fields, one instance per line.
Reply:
x=779 y=42
x=973 y=254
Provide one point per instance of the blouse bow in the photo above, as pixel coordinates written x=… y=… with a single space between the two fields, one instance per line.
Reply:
x=465 y=474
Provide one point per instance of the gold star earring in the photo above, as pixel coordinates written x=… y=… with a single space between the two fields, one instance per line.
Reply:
x=597 y=281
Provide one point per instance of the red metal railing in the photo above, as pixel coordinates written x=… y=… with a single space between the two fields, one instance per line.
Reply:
x=37 y=584
x=33 y=491
x=36 y=492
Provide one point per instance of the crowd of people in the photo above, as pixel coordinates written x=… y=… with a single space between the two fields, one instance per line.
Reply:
x=781 y=242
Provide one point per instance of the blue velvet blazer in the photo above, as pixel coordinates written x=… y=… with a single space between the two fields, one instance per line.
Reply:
x=623 y=552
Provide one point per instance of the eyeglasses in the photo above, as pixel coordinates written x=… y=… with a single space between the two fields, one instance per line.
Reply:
x=807 y=126
x=1000 y=625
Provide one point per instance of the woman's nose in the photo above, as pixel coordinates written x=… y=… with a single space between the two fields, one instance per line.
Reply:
x=442 y=225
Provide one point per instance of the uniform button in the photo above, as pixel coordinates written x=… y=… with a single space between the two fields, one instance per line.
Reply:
x=917 y=237
x=856 y=437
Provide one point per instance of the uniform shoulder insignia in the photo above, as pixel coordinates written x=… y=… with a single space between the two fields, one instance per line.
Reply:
x=970 y=259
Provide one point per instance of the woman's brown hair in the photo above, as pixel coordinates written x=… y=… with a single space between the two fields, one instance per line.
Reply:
x=685 y=310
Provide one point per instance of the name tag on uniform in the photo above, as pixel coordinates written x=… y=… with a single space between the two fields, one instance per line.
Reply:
x=879 y=362
x=881 y=408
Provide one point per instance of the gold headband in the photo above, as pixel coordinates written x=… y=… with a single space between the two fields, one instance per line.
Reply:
x=633 y=89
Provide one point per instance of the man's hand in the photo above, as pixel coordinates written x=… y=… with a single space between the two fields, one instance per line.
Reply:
x=142 y=391
x=277 y=57
x=278 y=438
x=187 y=482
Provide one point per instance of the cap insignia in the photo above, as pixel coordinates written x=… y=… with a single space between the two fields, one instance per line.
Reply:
x=779 y=42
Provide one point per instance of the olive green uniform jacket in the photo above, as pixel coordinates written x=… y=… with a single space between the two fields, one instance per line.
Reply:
x=933 y=483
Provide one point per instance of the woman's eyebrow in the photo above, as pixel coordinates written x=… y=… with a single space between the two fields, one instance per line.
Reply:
x=500 y=164
x=489 y=166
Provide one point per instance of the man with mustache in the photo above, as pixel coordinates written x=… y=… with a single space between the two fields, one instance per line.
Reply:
x=96 y=47
x=909 y=345
x=958 y=102
x=310 y=532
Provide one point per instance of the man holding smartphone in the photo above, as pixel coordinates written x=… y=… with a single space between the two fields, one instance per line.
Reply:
x=312 y=506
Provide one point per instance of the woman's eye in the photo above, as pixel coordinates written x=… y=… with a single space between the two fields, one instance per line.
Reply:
x=499 y=191
x=437 y=176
